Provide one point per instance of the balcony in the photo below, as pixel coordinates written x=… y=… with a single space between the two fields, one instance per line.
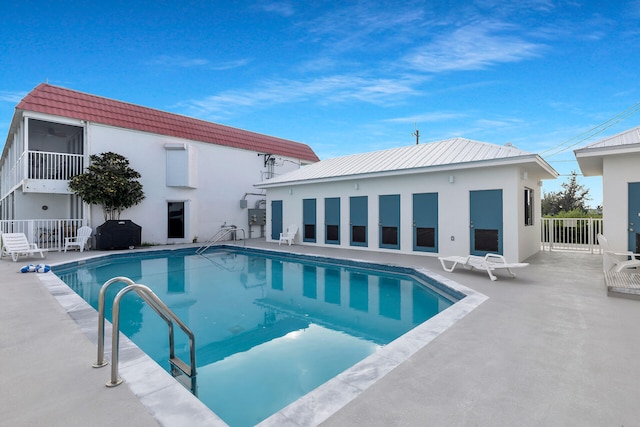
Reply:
x=48 y=172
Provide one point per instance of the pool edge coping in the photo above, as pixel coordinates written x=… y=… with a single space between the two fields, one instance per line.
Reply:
x=309 y=410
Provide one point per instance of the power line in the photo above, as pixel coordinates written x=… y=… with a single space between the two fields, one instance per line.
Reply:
x=593 y=131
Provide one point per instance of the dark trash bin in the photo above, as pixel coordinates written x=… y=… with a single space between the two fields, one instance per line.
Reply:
x=118 y=234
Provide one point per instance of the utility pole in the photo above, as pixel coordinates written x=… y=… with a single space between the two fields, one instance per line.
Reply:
x=417 y=135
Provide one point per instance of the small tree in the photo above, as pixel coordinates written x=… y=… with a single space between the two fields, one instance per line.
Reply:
x=573 y=198
x=110 y=182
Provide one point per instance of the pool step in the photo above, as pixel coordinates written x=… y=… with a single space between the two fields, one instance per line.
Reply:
x=183 y=374
x=176 y=362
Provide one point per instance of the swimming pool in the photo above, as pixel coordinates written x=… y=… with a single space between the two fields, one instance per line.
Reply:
x=310 y=309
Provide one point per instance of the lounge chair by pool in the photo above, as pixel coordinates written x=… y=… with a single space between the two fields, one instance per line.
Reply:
x=16 y=244
x=488 y=263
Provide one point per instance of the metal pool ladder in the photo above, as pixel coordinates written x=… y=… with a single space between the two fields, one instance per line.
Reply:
x=221 y=234
x=177 y=365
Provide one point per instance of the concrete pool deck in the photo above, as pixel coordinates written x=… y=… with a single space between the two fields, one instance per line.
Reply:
x=546 y=348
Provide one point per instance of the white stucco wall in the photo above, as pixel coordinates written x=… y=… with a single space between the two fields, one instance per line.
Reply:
x=519 y=241
x=529 y=235
x=31 y=206
x=223 y=176
x=617 y=172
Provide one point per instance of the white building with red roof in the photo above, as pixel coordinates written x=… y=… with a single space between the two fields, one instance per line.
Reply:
x=200 y=173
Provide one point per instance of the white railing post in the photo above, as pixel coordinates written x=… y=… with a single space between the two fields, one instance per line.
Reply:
x=590 y=235
x=575 y=234
x=46 y=233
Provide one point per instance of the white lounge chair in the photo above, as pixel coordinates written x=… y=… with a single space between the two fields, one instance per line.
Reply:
x=616 y=261
x=80 y=241
x=289 y=235
x=16 y=244
x=488 y=263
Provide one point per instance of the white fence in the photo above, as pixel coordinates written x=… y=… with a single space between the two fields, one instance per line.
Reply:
x=572 y=234
x=46 y=233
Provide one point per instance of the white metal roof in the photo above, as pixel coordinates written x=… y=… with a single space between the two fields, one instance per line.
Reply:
x=590 y=156
x=455 y=153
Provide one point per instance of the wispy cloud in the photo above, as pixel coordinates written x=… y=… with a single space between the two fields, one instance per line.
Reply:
x=184 y=62
x=278 y=7
x=400 y=48
x=228 y=65
x=634 y=8
x=178 y=61
x=12 y=97
x=323 y=90
x=365 y=25
x=427 y=118
x=508 y=8
x=472 y=47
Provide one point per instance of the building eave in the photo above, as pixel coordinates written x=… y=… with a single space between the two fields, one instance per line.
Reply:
x=532 y=159
x=590 y=159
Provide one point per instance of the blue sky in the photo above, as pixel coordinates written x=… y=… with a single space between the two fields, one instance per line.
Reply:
x=347 y=76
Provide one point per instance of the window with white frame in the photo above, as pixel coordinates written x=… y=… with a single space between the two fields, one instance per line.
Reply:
x=528 y=206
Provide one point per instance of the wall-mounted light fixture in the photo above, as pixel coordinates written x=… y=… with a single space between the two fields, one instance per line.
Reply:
x=356 y=186
x=452 y=179
x=525 y=176
x=291 y=191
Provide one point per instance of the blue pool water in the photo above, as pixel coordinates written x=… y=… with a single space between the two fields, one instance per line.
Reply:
x=268 y=328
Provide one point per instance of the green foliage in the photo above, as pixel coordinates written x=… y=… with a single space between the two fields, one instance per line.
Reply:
x=110 y=182
x=576 y=213
x=572 y=200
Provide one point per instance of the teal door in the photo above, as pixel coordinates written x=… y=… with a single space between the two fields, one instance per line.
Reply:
x=485 y=222
x=276 y=219
x=332 y=220
x=634 y=217
x=358 y=220
x=309 y=220
x=389 y=221
x=425 y=222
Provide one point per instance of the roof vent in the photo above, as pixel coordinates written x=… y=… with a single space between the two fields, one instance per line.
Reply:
x=510 y=145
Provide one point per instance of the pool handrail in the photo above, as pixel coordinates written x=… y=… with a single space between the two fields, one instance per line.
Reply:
x=220 y=235
x=100 y=362
x=162 y=310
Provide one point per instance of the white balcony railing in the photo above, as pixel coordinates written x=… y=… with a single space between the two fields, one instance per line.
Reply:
x=46 y=233
x=573 y=234
x=48 y=165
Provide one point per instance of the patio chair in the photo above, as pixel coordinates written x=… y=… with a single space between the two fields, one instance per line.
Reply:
x=488 y=263
x=16 y=244
x=616 y=261
x=81 y=239
x=289 y=235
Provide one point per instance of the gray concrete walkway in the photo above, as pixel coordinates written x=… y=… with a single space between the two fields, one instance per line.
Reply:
x=548 y=348
x=47 y=378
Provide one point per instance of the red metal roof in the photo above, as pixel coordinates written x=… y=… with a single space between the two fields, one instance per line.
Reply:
x=63 y=102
